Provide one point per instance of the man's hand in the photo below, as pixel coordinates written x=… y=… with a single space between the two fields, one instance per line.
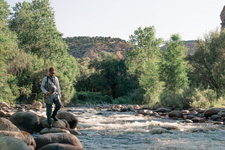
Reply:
x=48 y=93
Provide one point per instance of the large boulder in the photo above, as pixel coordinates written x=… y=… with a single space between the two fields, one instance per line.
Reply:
x=53 y=130
x=55 y=124
x=25 y=121
x=69 y=117
x=58 y=146
x=176 y=114
x=29 y=140
x=211 y=111
x=7 y=125
x=64 y=138
x=11 y=143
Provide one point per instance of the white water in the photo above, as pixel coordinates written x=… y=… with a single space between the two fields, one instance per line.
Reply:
x=103 y=130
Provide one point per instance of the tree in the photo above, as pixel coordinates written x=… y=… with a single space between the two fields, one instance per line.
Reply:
x=8 y=49
x=208 y=62
x=174 y=67
x=143 y=62
x=35 y=26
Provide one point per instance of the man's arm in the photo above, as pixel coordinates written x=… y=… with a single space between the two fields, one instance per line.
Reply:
x=58 y=87
x=43 y=85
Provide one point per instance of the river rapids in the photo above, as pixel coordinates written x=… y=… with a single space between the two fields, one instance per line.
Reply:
x=108 y=130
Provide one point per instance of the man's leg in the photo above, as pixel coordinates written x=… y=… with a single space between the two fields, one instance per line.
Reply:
x=57 y=107
x=49 y=113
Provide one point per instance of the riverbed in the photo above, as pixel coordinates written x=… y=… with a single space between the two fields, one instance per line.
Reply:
x=109 y=130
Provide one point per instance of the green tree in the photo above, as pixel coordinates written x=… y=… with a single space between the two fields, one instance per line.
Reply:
x=35 y=26
x=208 y=62
x=8 y=49
x=143 y=62
x=174 y=67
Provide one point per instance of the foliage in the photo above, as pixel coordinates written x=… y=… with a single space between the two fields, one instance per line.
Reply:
x=174 y=67
x=143 y=62
x=91 y=97
x=35 y=26
x=208 y=62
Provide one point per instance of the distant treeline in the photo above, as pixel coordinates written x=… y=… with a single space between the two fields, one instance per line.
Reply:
x=30 y=44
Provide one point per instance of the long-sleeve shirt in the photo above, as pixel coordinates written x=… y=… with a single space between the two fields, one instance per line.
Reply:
x=56 y=84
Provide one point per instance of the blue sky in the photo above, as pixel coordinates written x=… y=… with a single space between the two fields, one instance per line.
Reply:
x=119 y=18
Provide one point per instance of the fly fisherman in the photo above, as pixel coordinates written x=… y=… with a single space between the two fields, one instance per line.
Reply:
x=50 y=86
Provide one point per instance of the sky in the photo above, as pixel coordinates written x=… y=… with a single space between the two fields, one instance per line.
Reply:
x=120 y=18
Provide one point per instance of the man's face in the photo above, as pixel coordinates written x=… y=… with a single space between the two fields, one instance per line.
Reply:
x=52 y=73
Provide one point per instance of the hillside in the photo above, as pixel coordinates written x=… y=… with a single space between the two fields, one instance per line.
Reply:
x=91 y=47
x=83 y=46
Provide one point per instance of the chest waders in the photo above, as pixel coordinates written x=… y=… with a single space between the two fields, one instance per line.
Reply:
x=50 y=86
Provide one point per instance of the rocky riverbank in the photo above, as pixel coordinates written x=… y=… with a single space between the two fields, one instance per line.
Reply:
x=19 y=122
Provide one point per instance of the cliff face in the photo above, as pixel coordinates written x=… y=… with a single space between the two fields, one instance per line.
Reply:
x=222 y=17
x=93 y=46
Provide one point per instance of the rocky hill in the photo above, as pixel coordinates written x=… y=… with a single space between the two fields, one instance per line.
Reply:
x=83 y=46
x=91 y=47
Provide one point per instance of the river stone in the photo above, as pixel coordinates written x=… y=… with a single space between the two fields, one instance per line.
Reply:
x=175 y=113
x=146 y=112
x=158 y=131
x=25 y=121
x=4 y=104
x=7 y=125
x=55 y=124
x=2 y=113
x=215 y=117
x=185 y=111
x=67 y=124
x=211 y=111
x=74 y=132
x=29 y=140
x=221 y=113
x=37 y=105
x=53 y=130
x=69 y=117
x=8 y=115
x=11 y=143
x=198 y=120
x=163 y=110
x=15 y=134
x=64 y=138
x=57 y=146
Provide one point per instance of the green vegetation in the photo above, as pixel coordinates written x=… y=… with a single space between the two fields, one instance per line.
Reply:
x=30 y=43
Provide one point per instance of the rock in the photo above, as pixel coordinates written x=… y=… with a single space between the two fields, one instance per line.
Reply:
x=145 y=107
x=185 y=111
x=29 y=140
x=2 y=113
x=163 y=110
x=74 y=132
x=4 y=104
x=8 y=115
x=58 y=146
x=146 y=112
x=67 y=124
x=37 y=105
x=130 y=108
x=175 y=113
x=64 y=138
x=69 y=117
x=198 y=120
x=159 y=131
x=11 y=143
x=55 y=124
x=53 y=130
x=211 y=111
x=215 y=117
x=187 y=121
x=221 y=113
x=25 y=121
x=15 y=134
x=7 y=125
x=36 y=113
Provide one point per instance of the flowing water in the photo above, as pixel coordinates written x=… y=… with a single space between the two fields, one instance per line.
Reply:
x=107 y=130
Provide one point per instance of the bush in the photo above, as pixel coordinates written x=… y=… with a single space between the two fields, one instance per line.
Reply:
x=91 y=97
x=123 y=100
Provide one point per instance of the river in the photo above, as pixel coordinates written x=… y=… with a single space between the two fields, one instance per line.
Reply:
x=108 y=130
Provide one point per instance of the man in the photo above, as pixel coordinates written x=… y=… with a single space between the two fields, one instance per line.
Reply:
x=50 y=86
